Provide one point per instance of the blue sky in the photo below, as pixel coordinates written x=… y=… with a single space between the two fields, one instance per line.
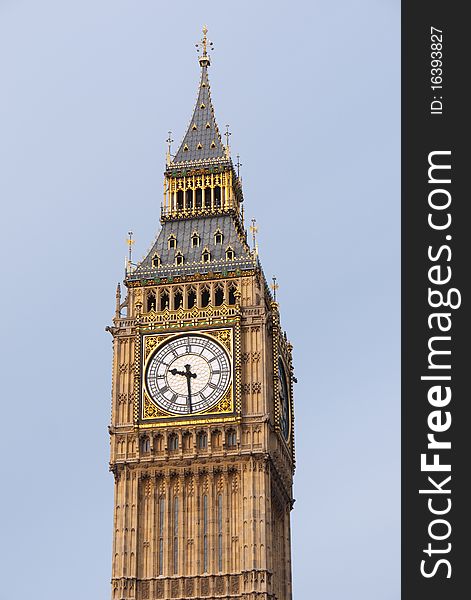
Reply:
x=311 y=93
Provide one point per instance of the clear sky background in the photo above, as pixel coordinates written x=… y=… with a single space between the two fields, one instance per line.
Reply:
x=89 y=90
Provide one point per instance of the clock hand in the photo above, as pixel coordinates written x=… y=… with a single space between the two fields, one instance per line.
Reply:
x=177 y=372
x=189 y=375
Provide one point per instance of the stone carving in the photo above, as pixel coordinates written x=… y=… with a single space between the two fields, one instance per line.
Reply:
x=159 y=589
x=205 y=587
x=234 y=584
x=189 y=586
x=144 y=590
x=220 y=585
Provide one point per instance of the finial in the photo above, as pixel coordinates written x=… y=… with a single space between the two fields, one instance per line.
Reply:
x=202 y=47
x=274 y=286
x=169 y=148
x=238 y=165
x=254 y=230
x=118 y=302
x=130 y=243
x=227 y=134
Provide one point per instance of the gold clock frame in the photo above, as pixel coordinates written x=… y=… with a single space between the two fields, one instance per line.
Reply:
x=148 y=414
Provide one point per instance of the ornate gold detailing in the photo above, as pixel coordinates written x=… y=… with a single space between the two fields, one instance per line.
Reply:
x=224 y=336
x=151 y=410
x=223 y=406
x=208 y=420
x=188 y=181
x=181 y=317
x=153 y=342
x=194 y=277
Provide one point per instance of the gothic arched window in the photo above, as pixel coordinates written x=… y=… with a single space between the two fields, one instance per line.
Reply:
x=189 y=198
x=216 y=439
x=205 y=296
x=195 y=240
x=151 y=303
x=199 y=194
x=186 y=441
x=177 y=299
x=229 y=253
x=156 y=261
x=202 y=440
x=231 y=438
x=218 y=237
x=179 y=259
x=145 y=444
x=219 y=295
x=206 y=256
x=207 y=198
x=217 y=197
x=159 y=443
x=180 y=200
x=172 y=242
x=191 y=298
x=164 y=297
x=173 y=442
x=232 y=292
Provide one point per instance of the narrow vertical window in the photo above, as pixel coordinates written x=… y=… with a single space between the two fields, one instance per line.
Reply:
x=217 y=196
x=220 y=532
x=205 y=533
x=219 y=295
x=191 y=300
x=232 y=291
x=180 y=199
x=161 y=535
x=175 y=536
x=177 y=299
x=151 y=301
x=205 y=297
x=164 y=300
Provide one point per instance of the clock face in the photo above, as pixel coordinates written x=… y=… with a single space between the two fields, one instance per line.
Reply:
x=284 y=401
x=188 y=374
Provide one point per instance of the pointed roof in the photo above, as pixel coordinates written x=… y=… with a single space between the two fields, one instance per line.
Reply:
x=202 y=141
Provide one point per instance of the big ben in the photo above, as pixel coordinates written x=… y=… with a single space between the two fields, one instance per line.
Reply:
x=202 y=427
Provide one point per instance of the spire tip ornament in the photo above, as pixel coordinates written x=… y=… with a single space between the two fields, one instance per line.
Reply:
x=130 y=243
x=254 y=230
x=202 y=47
x=169 y=141
x=274 y=286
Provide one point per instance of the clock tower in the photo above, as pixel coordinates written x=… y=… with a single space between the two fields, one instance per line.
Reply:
x=202 y=447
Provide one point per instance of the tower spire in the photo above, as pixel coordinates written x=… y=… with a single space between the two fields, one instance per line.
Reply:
x=202 y=141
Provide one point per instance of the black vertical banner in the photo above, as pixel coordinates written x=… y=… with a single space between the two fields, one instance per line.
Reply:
x=436 y=336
